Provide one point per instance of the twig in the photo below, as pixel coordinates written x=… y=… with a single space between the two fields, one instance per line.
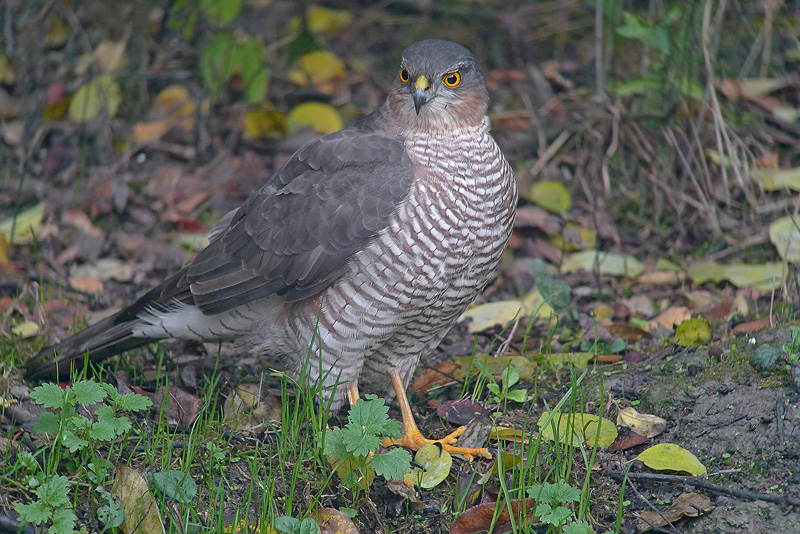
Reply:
x=704 y=484
x=721 y=425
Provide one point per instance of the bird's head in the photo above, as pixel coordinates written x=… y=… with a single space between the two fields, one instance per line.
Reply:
x=439 y=85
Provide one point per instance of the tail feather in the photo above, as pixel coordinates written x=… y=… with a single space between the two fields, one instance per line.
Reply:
x=100 y=341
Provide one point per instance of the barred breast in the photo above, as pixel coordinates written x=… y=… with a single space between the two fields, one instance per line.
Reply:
x=405 y=290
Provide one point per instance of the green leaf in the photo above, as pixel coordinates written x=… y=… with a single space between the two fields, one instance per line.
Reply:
x=359 y=441
x=436 y=465
x=176 y=485
x=670 y=456
x=102 y=431
x=509 y=377
x=88 y=392
x=372 y=414
x=72 y=442
x=553 y=289
x=222 y=11
x=251 y=55
x=49 y=395
x=288 y=525
x=334 y=444
x=111 y=514
x=48 y=423
x=309 y=526
x=133 y=402
x=518 y=395
x=35 y=512
x=64 y=521
x=555 y=516
x=54 y=491
x=216 y=64
x=100 y=95
x=392 y=464
x=577 y=428
x=552 y=196
x=578 y=527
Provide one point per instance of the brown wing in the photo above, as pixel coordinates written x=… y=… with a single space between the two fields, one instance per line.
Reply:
x=295 y=236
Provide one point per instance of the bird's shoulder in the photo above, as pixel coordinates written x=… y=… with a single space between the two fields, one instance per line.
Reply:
x=295 y=235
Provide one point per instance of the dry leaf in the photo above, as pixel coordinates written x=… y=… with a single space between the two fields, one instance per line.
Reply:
x=685 y=505
x=644 y=424
x=141 y=510
x=333 y=521
x=479 y=518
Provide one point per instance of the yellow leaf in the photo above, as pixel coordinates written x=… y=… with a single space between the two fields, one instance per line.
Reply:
x=763 y=277
x=670 y=456
x=552 y=196
x=495 y=365
x=320 y=69
x=325 y=20
x=110 y=56
x=484 y=316
x=607 y=263
x=141 y=510
x=643 y=424
x=777 y=179
x=578 y=359
x=7 y=75
x=436 y=464
x=580 y=427
x=25 y=329
x=693 y=333
x=100 y=95
x=266 y=121
x=785 y=235
x=670 y=317
x=575 y=237
x=57 y=32
x=25 y=224
x=322 y=117
x=172 y=108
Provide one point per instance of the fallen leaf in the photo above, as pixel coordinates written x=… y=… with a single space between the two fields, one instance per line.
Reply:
x=578 y=359
x=764 y=277
x=661 y=278
x=495 y=365
x=606 y=263
x=326 y=20
x=693 y=333
x=141 y=510
x=580 y=427
x=484 y=316
x=172 y=108
x=670 y=317
x=110 y=56
x=752 y=326
x=627 y=332
x=91 y=284
x=479 y=518
x=432 y=377
x=644 y=424
x=436 y=464
x=575 y=237
x=324 y=119
x=99 y=95
x=552 y=196
x=785 y=236
x=20 y=230
x=265 y=121
x=333 y=521
x=184 y=408
x=668 y=456
x=320 y=69
x=25 y=329
x=460 y=411
x=685 y=505
x=625 y=440
x=104 y=269
x=777 y=179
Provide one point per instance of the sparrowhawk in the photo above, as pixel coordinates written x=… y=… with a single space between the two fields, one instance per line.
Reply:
x=364 y=247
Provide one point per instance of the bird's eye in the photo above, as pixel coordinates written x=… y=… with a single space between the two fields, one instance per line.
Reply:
x=452 y=79
x=404 y=77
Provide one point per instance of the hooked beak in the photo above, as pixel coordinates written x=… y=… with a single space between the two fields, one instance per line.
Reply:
x=420 y=95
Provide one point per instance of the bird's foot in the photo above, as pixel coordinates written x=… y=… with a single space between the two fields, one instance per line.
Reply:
x=413 y=439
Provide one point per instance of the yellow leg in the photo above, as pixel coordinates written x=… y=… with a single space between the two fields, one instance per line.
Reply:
x=412 y=438
x=352 y=391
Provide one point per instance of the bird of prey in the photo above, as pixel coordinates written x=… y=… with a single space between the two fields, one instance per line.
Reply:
x=364 y=247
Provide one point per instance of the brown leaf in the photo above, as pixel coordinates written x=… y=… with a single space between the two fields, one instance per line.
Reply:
x=625 y=440
x=627 y=332
x=332 y=521
x=141 y=510
x=461 y=411
x=479 y=518
x=686 y=505
x=752 y=326
x=183 y=406
x=431 y=377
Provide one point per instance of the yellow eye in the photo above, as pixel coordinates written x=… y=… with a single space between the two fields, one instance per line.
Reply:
x=404 y=77
x=452 y=79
